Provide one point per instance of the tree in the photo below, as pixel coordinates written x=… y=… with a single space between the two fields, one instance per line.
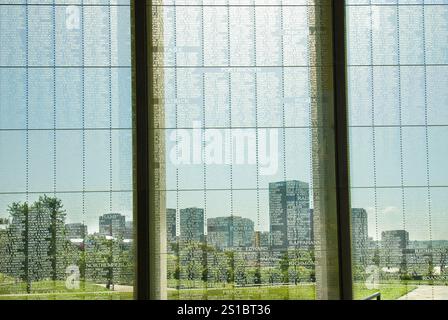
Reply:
x=284 y=267
x=230 y=266
x=57 y=247
x=430 y=266
x=376 y=257
x=3 y=252
x=18 y=257
x=271 y=275
x=36 y=240
x=443 y=256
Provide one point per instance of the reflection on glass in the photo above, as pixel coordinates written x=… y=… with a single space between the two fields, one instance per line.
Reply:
x=397 y=68
x=65 y=151
x=243 y=94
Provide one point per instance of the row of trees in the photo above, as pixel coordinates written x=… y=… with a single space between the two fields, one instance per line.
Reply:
x=34 y=248
x=193 y=265
x=405 y=264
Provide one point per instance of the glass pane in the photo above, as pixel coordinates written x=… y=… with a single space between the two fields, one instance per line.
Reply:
x=397 y=80
x=65 y=150
x=244 y=145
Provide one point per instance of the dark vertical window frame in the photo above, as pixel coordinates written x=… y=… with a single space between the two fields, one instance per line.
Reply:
x=141 y=147
x=342 y=150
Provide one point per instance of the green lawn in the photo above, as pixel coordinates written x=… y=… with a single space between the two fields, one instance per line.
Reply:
x=72 y=296
x=49 y=290
x=389 y=291
x=56 y=290
x=282 y=292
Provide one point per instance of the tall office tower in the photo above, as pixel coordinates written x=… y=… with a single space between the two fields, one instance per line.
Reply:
x=242 y=232
x=218 y=232
x=228 y=232
x=393 y=246
x=289 y=215
x=192 y=225
x=261 y=239
x=360 y=237
x=129 y=230
x=170 y=226
x=112 y=224
x=75 y=231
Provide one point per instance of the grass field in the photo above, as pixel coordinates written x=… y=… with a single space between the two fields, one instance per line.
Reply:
x=56 y=290
x=49 y=290
x=389 y=291
x=281 y=292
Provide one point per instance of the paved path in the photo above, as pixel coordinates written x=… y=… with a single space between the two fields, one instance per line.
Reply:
x=427 y=292
x=119 y=288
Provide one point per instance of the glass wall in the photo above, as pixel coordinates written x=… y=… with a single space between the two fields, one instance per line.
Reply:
x=397 y=80
x=245 y=187
x=65 y=150
x=243 y=100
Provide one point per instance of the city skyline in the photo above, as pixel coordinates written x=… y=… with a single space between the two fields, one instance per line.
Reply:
x=119 y=225
x=373 y=232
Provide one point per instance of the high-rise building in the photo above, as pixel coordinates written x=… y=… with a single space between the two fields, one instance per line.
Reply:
x=75 y=231
x=171 y=225
x=396 y=238
x=360 y=237
x=242 y=232
x=262 y=239
x=289 y=214
x=192 y=224
x=113 y=225
x=129 y=230
x=228 y=232
x=393 y=248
